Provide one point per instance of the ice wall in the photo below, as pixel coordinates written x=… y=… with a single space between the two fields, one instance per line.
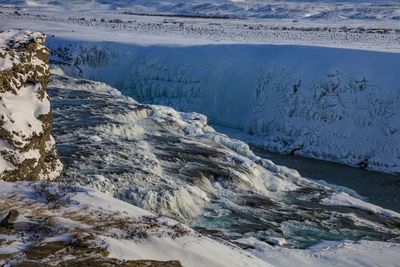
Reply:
x=327 y=103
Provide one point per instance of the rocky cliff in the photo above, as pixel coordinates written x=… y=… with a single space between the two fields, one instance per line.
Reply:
x=27 y=149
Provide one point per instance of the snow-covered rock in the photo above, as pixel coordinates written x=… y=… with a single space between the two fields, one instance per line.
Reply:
x=27 y=149
x=64 y=225
x=329 y=253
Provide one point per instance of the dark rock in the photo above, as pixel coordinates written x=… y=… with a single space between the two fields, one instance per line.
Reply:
x=10 y=218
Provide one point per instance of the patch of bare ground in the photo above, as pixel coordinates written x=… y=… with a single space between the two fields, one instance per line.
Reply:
x=49 y=232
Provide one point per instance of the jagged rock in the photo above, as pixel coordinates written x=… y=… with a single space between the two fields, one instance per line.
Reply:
x=27 y=149
x=10 y=218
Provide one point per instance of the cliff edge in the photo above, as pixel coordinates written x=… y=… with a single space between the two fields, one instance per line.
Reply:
x=27 y=149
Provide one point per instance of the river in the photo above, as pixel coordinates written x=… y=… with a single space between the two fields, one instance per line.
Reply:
x=379 y=188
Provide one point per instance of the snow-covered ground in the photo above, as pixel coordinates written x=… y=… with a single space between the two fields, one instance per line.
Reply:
x=61 y=224
x=104 y=24
x=262 y=9
x=363 y=253
x=72 y=224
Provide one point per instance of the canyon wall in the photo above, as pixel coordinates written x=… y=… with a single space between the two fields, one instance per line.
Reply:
x=27 y=149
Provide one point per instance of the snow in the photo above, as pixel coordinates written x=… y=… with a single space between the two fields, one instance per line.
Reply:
x=6 y=62
x=191 y=249
x=10 y=35
x=5 y=165
x=21 y=113
x=386 y=10
x=24 y=106
x=105 y=24
x=201 y=252
x=330 y=253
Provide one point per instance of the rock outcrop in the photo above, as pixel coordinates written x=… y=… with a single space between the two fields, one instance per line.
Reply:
x=27 y=149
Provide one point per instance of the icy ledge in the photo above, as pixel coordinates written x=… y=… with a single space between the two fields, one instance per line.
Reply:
x=332 y=104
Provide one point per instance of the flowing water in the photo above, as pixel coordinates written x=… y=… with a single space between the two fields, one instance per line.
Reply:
x=378 y=188
x=92 y=132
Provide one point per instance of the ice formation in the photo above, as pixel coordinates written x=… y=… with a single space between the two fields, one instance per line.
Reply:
x=333 y=104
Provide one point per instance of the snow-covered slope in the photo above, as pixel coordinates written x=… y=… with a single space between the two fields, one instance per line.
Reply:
x=27 y=149
x=334 y=104
x=76 y=226
x=71 y=225
x=354 y=254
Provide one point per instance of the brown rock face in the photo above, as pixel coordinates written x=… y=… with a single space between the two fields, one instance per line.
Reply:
x=27 y=149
